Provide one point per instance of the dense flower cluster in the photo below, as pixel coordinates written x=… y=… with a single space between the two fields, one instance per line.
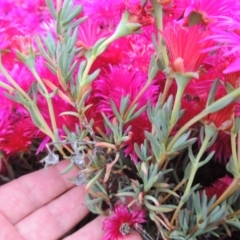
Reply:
x=184 y=44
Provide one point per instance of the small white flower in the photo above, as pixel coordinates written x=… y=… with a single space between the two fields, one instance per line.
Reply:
x=50 y=159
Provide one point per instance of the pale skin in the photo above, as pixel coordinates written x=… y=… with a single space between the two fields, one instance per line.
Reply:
x=46 y=205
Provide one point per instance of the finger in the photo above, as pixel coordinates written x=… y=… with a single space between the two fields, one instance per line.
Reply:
x=93 y=230
x=56 y=218
x=8 y=231
x=133 y=236
x=32 y=191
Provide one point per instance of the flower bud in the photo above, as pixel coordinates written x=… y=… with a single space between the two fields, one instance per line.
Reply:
x=164 y=2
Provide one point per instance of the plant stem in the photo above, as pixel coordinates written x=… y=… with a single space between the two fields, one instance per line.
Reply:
x=238 y=149
x=174 y=190
x=204 y=146
x=85 y=74
x=27 y=165
x=7 y=87
x=8 y=166
x=59 y=5
x=233 y=214
x=142 y=91
x=89 y=65
x=166 y=89
x=208 y=135
x=182 y=82
x=234 y=94
x=234 y=151
x=233 y=187
x=48 y=99
x=13 y=82
x=66 y=97
x=45 y=128
x=158 y=13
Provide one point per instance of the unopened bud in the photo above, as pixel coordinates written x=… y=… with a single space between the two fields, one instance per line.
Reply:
x=164 y=2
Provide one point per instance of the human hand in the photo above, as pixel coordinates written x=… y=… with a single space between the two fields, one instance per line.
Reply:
x=45 y=205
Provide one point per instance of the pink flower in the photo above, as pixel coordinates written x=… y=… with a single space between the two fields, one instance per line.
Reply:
x=119 y=82
x=104 y=12
x=233 y=67
x=222 y=148
x=113 y=55
x=218 y=187
x=138 y=55
x=131 y=52
x=8 y=28
x=122 y=222
x=203 y=11
x=4 y=43
x=223 y=65
x=20 y=73
x=22 y=44
x=185 y=48
x=195 y=101
x=59 y=104
x=16 y=128
x=190 y=105
x=228 y=38
x=139 y=14
x=226 y=33
x=93 y=113
x=89 y=33
x=29 y=14
x=17 y=134
x=222 y=119
x=138 y=126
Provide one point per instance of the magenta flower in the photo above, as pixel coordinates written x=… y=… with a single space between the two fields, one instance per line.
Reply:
x=224 y=64
x=139 y=14
x=17 y=134
x=185 y=48
x=119 y=82
x=29 y=14
x=89 y=33
x=8 y=28
x=22 y=44
x=231 y=39
x=16 y=128
x=122 y=222
x=228 y=35
x=218 y=187
x=104 y=12
x=222 y=148
x=202 y=11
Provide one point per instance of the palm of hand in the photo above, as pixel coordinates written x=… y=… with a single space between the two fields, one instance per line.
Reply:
x=46 y=205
